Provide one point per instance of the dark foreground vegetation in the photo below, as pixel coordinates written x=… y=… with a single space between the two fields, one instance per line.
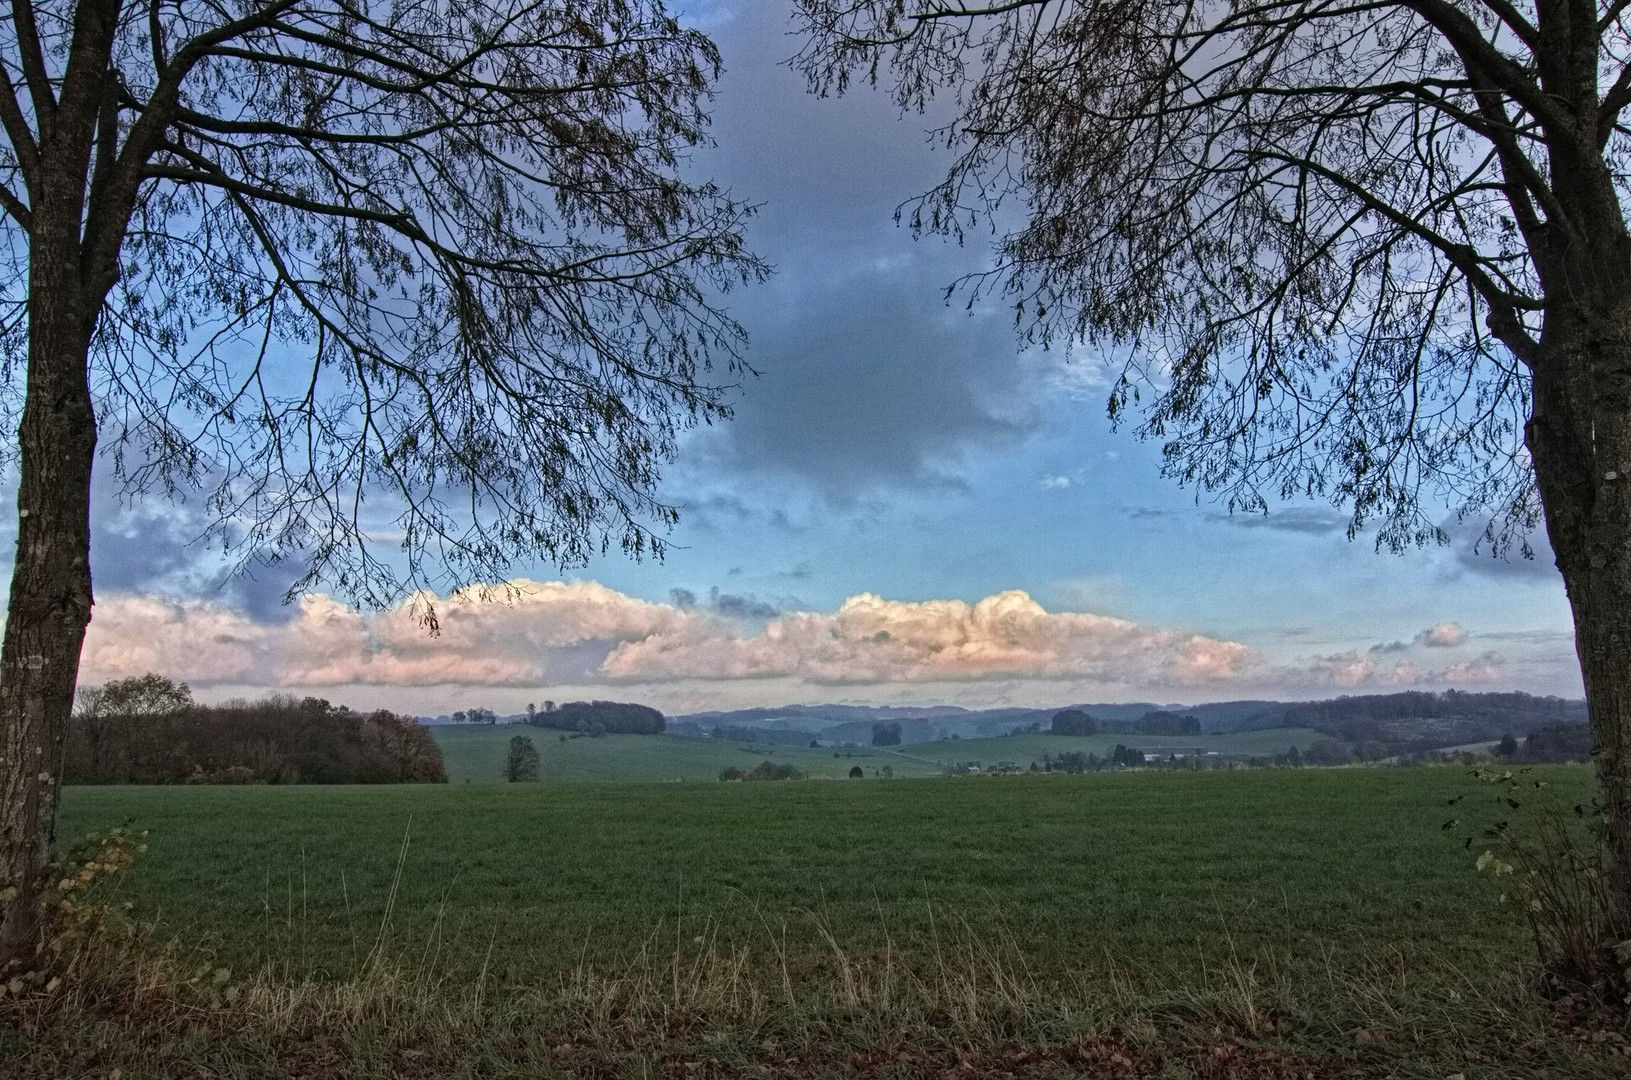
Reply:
x=1253 y=925
x=765 y=770
x=149 y=731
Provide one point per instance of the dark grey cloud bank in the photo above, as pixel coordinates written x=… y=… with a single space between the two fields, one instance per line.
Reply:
x=859 y=390
x=869 y=380
x=730 y=605
x=149 y=543
x=156 y=544
x=1475 y=554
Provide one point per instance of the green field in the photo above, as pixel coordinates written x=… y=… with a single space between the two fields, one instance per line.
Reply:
x=1154 y=868
x=1024 y=749
x=475 y=753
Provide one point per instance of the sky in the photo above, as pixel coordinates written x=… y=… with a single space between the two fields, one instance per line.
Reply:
x=906 y=508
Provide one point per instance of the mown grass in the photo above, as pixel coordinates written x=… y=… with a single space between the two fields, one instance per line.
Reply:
x=1185 y=923
x=475 y=753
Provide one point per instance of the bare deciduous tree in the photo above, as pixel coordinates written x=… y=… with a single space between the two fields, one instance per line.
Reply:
x=1370 y=251
x=350 y=270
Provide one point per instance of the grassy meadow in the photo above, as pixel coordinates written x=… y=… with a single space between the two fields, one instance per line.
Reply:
x=1160 y=869
x=1258 y=924
x=475 y=753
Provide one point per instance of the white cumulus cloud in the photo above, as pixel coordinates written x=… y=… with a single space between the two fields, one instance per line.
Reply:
x=874 y=640
x=521 y=634
x=539 y=633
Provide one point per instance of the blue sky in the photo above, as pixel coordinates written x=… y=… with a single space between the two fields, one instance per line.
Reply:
x=894 y=446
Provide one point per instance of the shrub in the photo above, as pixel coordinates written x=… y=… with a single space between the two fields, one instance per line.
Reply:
x=1543 y=855
x=855 y=772
x=765 y=770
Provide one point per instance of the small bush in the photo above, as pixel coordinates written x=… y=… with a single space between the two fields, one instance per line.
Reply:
x=765 y=770
x=1540 y=859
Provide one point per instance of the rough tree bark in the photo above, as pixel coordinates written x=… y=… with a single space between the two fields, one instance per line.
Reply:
x=1580 y=440
x=50 y=603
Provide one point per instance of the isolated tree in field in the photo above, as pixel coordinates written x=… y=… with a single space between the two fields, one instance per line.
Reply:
x=521 y=763
x=1371 y=252
x=423 y=274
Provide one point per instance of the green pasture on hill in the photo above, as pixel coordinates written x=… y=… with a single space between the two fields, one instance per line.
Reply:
x=1024 y=749
x=1064 y=874
x=475 y=753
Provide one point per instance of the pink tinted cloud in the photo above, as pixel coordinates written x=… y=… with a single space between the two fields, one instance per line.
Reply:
x=874 y=640
x=521 y=637
x=1444 y=635
x=508 y=640
x=1356 y=671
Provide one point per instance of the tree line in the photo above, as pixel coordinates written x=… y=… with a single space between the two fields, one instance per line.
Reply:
x=1155 y=722
x=149 y=730
x=1491 y=712
x=599 y=717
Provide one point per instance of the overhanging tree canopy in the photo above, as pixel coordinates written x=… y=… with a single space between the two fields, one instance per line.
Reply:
x=312 y=255
x=1370 y=251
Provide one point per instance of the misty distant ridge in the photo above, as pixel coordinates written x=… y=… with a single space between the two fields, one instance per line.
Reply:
x=1392 y=724
x=1215 y=717
x=1411 y=718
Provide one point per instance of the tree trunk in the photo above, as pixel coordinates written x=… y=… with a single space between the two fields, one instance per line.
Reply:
x=50 y=601
x=1579 y=438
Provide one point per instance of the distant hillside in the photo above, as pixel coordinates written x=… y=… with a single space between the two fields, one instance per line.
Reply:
x=1405 y=722
x=818 y=716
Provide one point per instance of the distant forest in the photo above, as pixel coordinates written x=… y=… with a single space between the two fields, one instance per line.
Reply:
x=1494 y=713
x=149 y=731
x=600 y=718
x=1383 y=725
x=1078 y=722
